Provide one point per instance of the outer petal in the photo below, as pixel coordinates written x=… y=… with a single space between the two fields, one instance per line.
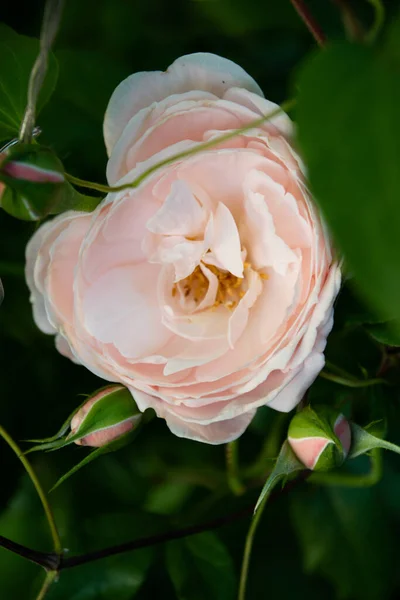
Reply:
x=219 y=432
x=38 y=260
x=201 y=71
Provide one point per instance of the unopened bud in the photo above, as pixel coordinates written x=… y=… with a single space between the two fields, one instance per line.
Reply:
x=320 y=438
x=108 y=415
x=32 y=181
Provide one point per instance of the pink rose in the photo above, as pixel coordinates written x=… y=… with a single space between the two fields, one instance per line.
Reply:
x=208 y=290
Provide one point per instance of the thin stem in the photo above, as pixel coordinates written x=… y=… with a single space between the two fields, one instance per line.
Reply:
x=45 y=503
x=51 y=21
x=49 y=579
x=232 y=468
x=248 y=548
x=91 y=185
x=285 y=107
x=310 y=21
x=352 y=383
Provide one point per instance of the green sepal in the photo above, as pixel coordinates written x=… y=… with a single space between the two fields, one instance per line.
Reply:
x=98 y=417
x=117 y=444
x=286 y=464
x=107 y=412
x=312 y=423
x=63 y=429
x=363 y=442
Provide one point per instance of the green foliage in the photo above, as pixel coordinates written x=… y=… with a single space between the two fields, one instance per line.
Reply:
x=344 y=536
x=119 y=578
x=200 y=567
x=18 y=54
x=349 y=133
x=19 y=520
x=385 y=333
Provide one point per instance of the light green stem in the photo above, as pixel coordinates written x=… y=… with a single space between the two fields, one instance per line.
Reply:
x=352 y=383
x=232 y=468
x=48 y=580
x=286 y=106
x=248 y=548
x=45 y=503
x=350 y=480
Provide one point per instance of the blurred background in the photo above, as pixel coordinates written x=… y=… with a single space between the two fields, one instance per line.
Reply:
x=314 y=542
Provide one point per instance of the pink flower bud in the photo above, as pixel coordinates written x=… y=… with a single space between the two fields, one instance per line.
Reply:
x=107 y=415
x=33 y=173
x=321 y=440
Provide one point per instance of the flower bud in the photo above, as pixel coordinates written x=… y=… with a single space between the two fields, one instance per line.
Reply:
x=32 y=182
x=320 y=439
x=109 y=414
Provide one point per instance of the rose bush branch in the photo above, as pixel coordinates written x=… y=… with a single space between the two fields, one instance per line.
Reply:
x=48 y=560
x=54 y=562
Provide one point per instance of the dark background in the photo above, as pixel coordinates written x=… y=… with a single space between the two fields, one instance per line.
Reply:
x=315 y=542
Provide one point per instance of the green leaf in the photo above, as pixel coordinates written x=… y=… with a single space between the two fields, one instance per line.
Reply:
x=344 y=537
x=21 y=521
x=118 y=578
x=18 y=53
x=385 y=333
x=349 y=133
x=285 y=465
x=115 y=406
x=200 y=567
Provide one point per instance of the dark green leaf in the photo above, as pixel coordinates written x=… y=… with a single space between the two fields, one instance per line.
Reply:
x=22 y=521
x=200 y=567
x=118 y=578
x=112 y=446
x=344 y=537
x=349 y=132
x=18 y=54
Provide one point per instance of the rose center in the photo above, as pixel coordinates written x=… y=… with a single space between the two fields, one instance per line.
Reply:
x=229 y=291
